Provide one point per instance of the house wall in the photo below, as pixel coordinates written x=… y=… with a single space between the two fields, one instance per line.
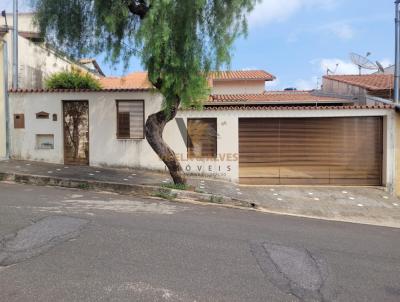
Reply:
x=238 y=87
x=336 y=87
x=107 y=150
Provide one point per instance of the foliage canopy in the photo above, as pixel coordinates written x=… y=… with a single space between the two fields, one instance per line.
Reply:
x=177 y=41
x=72 y=80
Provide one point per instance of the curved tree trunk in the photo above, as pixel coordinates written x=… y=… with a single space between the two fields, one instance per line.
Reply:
x=155 y=125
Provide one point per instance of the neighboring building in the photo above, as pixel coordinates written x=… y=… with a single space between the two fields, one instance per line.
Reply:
x=244 y=134
x=36 y=61
x=359 y=87
x=240 y=82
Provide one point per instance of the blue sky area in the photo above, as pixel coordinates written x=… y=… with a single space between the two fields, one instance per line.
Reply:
x=297 y=40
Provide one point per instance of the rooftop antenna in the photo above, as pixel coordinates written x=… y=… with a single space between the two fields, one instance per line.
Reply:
x=336 y=68
x=363 y=62
x=4 y=15
x=329 y=71
x=380 y=67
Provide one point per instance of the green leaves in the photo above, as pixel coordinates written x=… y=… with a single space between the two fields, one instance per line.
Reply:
x=178 y=41
x=72 y=80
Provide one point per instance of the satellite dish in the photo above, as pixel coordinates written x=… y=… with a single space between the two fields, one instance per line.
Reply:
x=380 y=67
x=362 y=62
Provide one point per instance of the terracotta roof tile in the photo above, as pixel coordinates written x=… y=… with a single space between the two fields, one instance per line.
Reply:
x=40 y=90
x=135 y=80
x=268 y=108
x=140 y=80
x=274 y=96
x=242 y=75
x=370 y=82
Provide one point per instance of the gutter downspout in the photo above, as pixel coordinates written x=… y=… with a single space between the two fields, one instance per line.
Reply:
x=6 y=98
x=397 y=54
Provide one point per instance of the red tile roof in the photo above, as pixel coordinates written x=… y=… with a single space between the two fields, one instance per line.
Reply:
x=275 y=96
x=242 y=75
x=23 y=90
x=140 y=80
x=370 y=82
x=135 y=80
x=264 y=107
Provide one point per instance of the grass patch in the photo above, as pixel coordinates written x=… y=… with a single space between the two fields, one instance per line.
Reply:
x=83 y=186
x=171 y=185
x=216 y=199
x=165 y=194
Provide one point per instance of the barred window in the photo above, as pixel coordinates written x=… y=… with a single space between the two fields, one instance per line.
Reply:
x=130 y=119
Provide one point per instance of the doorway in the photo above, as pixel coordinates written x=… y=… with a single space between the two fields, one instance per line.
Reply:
x=76 y=132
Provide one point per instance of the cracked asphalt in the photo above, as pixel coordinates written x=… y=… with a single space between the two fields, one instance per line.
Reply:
x=73 y=245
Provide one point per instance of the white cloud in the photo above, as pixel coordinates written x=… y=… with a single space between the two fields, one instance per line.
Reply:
x=273 y=84
x=269 y=11
x=309 y=84
x=342 y=30
x=386 y=62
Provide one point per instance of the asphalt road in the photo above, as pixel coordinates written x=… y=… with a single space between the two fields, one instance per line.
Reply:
x=72 y=245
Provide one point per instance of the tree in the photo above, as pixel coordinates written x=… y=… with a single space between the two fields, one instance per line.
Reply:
x=178 y=42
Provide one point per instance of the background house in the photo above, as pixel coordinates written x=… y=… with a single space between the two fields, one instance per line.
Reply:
x=361 y=88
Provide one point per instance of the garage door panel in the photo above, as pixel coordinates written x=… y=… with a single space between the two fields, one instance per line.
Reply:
x=304 y=181
x=259 y=181
x=335 y=151
x=304 y=172
x=354 y=182
x=259 y=171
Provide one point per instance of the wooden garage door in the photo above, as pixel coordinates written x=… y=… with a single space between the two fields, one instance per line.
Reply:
x=311 y=151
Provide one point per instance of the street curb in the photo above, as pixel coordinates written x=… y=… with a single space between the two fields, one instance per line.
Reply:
x=124 y=189
x=174 y=195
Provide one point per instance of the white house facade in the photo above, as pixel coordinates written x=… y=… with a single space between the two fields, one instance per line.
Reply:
x=250 y=138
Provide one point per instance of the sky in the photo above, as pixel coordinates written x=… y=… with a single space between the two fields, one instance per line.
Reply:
x=298 y=40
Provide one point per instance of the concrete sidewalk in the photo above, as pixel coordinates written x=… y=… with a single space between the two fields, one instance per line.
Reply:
x=368 y=205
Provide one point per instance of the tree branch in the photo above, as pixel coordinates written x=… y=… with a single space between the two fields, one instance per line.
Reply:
x=139 y=8
x=157 y=84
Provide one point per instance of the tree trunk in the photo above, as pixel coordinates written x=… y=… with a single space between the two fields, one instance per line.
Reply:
x=155 y=125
